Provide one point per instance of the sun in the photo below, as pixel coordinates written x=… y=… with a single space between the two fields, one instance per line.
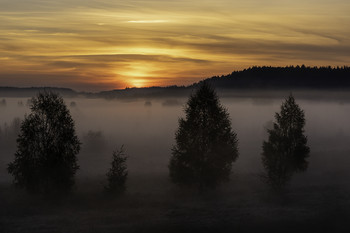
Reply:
x=138 y=83
x=136 y=74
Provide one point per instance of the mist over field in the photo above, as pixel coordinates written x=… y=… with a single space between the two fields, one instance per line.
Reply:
x=174 y=116
x=146 y=127
x=148 y=130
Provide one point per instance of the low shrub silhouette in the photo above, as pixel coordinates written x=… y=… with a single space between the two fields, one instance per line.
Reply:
x=118 y=173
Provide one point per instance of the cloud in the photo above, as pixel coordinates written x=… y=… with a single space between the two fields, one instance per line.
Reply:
x=148 y=21
x=111 y=43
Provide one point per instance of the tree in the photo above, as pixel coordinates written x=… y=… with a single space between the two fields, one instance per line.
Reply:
x=206 y=145
x=118 y=173
x=9 y=133
x=45 y=160
x=286 y=150
x=3 y=103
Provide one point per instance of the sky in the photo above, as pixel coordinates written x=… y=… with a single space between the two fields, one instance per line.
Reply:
x=94 y=45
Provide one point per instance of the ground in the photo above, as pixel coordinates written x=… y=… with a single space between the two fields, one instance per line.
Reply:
x=153 y=204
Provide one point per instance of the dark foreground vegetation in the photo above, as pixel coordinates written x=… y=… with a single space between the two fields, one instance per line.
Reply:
x=286 y=150
x=47 y=145
x=206 y=145
x=152 y=204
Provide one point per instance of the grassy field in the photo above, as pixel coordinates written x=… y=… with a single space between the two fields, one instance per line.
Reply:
x=317 y=200
x=153 y=204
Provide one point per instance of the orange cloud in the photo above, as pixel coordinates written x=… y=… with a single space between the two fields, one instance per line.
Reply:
x=96 y=45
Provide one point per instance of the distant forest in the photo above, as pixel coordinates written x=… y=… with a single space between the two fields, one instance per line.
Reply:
x=285 y=77
x=254 y=78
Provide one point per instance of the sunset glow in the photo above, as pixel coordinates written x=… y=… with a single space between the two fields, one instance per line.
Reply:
x=99 y=45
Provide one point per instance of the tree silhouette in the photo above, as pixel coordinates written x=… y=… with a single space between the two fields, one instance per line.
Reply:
x=205 y=146
x=9 y=134
x=118 y=173
x=94 y=141
x=286 y=150
x=284 y=77
x=45 y=160
x=3 y=103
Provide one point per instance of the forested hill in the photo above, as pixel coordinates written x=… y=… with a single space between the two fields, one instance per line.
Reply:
x=257 y=78
x=32 y=91
x=292 y=77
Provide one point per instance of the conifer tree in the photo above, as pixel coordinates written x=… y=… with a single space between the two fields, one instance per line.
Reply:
x=45 y=160
x=286 y=150
x=118 y=173
x=206 y=145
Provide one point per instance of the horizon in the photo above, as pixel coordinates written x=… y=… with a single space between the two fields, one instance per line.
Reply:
x=102 y=45
x=180 y=85
x=174 y=116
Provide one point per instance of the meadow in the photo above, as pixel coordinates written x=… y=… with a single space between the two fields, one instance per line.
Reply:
x=317 y=199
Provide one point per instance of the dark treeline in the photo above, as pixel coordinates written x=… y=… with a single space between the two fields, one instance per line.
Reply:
x=142 y=92
x=267 y=77
x=261 y=78
x=32 y=91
